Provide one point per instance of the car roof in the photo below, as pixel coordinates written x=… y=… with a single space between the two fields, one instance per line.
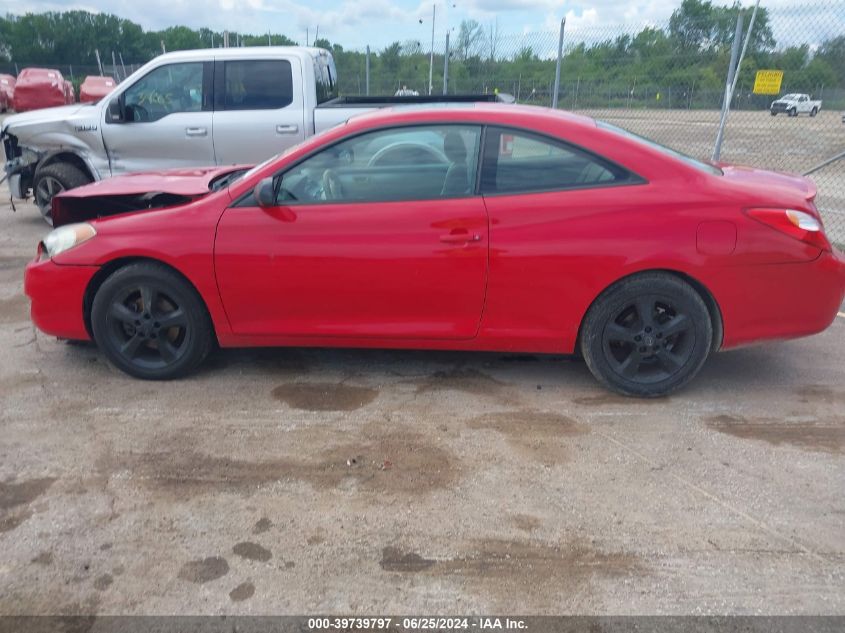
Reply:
x=240 y=52
x=481 y=112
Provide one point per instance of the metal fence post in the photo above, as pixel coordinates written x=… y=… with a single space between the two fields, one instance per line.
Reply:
x=446 y=67
x=367 y=71
x=717 y=148
x=717 y=151
x=431 y=59
x=557 y=66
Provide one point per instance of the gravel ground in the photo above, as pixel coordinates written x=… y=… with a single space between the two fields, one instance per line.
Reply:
x=303 y=481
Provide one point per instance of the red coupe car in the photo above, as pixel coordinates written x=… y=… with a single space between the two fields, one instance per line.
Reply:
x=472 y=227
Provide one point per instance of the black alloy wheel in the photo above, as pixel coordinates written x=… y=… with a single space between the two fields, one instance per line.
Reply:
x=150 y=322
x=647 y=335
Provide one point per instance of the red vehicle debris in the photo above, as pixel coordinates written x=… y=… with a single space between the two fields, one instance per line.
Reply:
x=70 y=96
x=95 y=88
x=38 y=88
x=481 y=227
x=7 y=91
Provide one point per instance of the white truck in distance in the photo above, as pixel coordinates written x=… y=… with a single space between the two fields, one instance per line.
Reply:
x=794 y=104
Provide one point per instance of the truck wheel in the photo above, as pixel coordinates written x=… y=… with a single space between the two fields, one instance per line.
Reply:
x=814 y=112
x=793 y=112
x=773 y=113
x=53 y=179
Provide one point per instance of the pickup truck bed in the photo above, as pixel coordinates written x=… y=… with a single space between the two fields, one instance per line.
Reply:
x=339 y=109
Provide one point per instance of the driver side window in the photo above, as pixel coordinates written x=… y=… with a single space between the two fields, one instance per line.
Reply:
x=411 y=163
x=166 y=90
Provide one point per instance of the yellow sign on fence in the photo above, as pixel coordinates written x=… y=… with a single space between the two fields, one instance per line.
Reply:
x=768 y=82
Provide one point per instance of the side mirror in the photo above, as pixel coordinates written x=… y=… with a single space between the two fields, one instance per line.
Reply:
x=115 y=112
x=265 y=193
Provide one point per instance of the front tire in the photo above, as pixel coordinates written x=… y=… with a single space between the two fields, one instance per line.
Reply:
x=793 y=112
x=647 y=335
x=814 y=112
x=773 y=113
x=150 y=322
x=53 y=179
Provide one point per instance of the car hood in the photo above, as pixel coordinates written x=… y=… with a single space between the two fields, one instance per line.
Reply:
x=142 y=191
x=185 y=182
x=769 y=180
x=47 y=115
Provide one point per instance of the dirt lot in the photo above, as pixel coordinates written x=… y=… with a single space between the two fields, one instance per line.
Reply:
x=301 y=481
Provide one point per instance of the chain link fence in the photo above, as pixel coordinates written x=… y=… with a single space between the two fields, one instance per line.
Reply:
x=662 y=80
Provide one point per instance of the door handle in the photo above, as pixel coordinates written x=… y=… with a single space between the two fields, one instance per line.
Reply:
x=460 y=238
x=287 y=129
x=196 y=131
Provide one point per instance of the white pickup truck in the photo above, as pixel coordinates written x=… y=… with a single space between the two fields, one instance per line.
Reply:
x=184 y=109
x=795 y=104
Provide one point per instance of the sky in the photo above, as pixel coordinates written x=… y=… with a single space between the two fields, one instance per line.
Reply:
x=357 y=23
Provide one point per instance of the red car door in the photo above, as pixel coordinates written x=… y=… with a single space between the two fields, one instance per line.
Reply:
x=379 y=236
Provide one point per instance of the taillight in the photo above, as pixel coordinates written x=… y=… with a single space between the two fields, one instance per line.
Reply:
x=796 y=224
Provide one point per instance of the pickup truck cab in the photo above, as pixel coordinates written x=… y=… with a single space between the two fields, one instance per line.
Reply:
x=795 y=104
x=184 y=109
x=194 y=108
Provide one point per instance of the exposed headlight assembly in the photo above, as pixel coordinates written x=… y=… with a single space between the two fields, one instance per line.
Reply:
x=67 y=237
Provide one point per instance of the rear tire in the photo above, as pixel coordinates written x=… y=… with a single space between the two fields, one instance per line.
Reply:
x=793 y=112
x=150 y=322
x=773 y=113
x=53 y=179
x=647 y=335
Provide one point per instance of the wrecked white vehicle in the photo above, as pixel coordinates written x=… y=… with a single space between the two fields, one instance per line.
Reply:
x=225 y=106
x=184 y=109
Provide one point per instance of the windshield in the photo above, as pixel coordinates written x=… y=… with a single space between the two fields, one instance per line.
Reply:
x=689 y=160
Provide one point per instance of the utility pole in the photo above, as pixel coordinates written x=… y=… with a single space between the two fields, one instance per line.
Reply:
x=99 y=63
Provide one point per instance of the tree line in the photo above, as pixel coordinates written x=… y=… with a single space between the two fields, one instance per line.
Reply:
x=683 y=64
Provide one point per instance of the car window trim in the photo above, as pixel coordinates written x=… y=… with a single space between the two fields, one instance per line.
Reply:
x=632 y=179
x=240 y=202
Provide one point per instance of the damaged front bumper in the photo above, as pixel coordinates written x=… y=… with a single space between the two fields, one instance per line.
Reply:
x=19 y=167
